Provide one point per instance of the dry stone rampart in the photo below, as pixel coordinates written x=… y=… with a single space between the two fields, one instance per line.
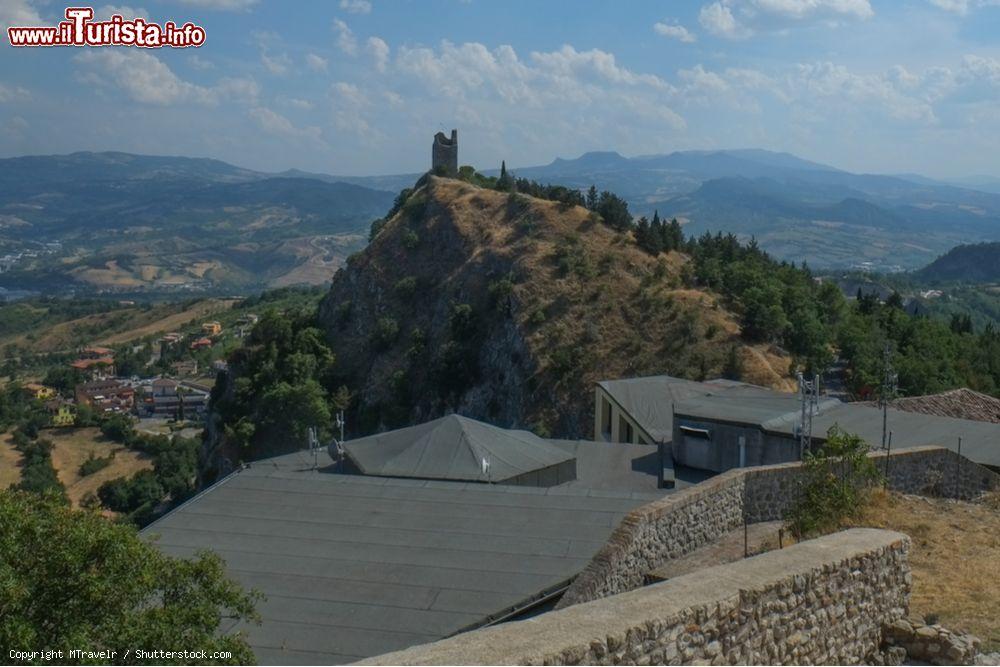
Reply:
x=822 y=601
x=693 y=517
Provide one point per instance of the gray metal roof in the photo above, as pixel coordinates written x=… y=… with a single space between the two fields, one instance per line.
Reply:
x=454 y=447
x=648 y=400
x=353 y=566
x=748 y=404
x=980 y=440
x=652 y=401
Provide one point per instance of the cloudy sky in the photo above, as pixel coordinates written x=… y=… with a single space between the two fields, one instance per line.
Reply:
x=360 y=86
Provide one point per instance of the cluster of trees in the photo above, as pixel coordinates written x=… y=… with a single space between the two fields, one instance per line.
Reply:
x=37 y=473
x=657 y=236
x=282 y=384
x=929 y=354
x=149 y=493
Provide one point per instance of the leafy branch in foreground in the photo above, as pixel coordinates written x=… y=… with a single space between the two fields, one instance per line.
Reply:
x=71 y=579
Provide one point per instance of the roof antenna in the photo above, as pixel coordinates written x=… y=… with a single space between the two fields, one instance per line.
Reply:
x=314 y=446
x=336 y=448
x=486 y=468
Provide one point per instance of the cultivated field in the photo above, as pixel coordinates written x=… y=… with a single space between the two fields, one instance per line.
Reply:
x=72 y=447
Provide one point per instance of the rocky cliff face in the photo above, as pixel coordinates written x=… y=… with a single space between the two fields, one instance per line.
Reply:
x=507 y=309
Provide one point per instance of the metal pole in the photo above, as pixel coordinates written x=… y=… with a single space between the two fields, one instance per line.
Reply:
x=781 y=538
x=888 y=451
x=958 y=470
x=746 y=538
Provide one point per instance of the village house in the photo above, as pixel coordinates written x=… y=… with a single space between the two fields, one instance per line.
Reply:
x=95 y=363
x=62 y=412
x=39 y=392
x=211 y=328
x=201 y=344
x=108 y=395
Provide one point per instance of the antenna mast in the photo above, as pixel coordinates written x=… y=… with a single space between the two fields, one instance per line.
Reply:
x=809 y=403
x=887 y=389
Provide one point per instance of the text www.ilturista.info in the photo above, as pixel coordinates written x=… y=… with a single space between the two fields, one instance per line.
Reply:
x=80 y=30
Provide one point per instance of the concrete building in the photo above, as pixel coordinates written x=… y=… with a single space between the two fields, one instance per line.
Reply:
x=720 y=424
x=211 y=328
x=171 y=399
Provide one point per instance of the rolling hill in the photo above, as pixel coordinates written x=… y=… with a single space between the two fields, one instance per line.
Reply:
x=796 y=209
x=508 y=308
x=979 y=263
x=116 y=222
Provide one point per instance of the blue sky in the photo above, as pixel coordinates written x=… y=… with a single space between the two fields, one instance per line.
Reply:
x=360 y=86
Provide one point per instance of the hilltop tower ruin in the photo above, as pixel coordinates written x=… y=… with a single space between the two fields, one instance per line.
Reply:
x=444 y=153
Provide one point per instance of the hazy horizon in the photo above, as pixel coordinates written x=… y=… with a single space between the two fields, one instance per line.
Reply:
x=358 y=87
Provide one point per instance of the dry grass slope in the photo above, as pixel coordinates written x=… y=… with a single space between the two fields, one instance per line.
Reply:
x=955 y=558
x=587 y=302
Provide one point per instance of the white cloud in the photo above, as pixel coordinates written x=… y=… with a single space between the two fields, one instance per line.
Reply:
x=316 y=63
x=144 y=78
x=277 y=64
x=223 y=5
x=674 y=31
x=274 y=123
x=569 y=93
x=13 y=94
x=346 y=41
x=297 y=103
x=356 y=6
x=718 y=19
x=738 y=19
x=18 y=13
x=379 y=51
x=199 y=63
x=962 y=7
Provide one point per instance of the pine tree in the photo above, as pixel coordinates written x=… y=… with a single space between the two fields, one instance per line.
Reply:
x=592 y=198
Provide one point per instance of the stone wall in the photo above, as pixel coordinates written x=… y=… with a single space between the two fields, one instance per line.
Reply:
x=932 y=644
x=823 y=601
x=693 y=517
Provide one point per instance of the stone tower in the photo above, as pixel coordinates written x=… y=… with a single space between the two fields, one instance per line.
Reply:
x=444 y=153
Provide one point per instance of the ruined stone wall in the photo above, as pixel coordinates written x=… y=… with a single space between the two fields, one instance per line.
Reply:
x=823 y=601
x=693 y=517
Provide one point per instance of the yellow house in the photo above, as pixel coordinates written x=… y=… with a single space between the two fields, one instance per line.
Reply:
x=211 y=328
x=63 y=416
x=62 y=412
x=39 y=391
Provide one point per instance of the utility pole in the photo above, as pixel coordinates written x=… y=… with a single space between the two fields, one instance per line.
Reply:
x=887 y=390
x=809 y=403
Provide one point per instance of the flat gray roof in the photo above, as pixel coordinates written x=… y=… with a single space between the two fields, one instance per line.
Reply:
x=780 y=413
x=354 y=566
x=648 y=400
x=454 y=447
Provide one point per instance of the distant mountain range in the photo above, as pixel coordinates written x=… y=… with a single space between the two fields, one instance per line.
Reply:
x=798 y=210
x=125 y=222
x=121 y=223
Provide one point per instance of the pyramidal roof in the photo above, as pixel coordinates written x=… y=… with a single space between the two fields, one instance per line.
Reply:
x=454 y=448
